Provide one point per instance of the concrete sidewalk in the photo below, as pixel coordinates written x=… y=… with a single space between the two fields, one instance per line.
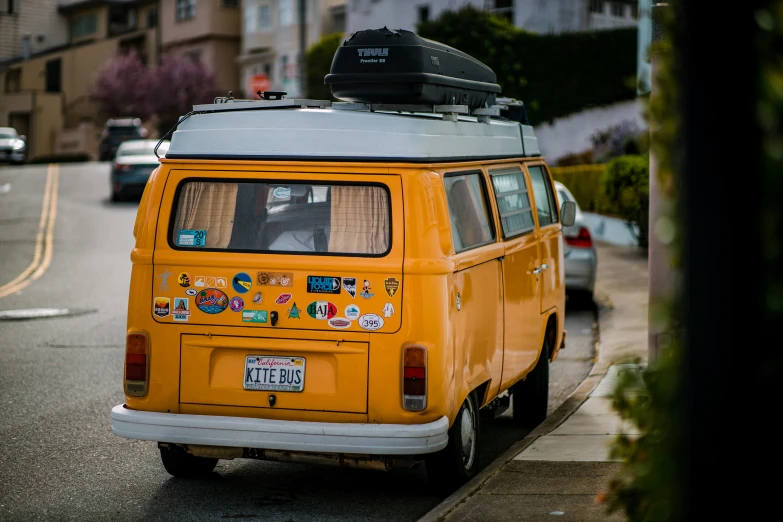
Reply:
x=558 y=468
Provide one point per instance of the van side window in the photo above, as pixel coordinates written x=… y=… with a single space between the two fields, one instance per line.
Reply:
x=545 y=198
x=511 y=192
x=467 y=199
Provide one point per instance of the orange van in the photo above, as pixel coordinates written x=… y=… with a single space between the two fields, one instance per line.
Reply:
x=341 y=283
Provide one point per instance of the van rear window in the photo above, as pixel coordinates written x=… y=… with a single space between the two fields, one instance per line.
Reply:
x=282 y=217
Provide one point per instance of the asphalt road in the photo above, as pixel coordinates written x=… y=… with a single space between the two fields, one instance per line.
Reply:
x=60 y=377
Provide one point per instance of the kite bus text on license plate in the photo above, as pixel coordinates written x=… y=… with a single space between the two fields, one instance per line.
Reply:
x=274 y=373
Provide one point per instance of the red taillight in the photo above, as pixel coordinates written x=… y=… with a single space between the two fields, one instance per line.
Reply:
x=121 y=168
x=583 y=239
x=136 y=364
x=414 y=378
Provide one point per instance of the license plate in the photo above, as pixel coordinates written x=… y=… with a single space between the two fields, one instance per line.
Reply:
x=274 y=373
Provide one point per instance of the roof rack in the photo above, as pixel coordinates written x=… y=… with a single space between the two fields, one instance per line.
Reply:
x=449 y=112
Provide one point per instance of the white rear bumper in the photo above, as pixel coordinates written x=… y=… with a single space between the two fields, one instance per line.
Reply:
x=322 y=437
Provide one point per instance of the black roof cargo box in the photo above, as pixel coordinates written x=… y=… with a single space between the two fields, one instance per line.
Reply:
x=400 y=67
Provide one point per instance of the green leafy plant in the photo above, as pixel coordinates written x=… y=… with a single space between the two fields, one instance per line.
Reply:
x=319 y=62
x=649 y=484
x=584 y=182
x=626 y=184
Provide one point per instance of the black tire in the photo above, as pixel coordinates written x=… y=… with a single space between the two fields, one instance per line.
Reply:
x=115 y=197
x=458 y=462
x=179 y=463
x=530 y=397
x=581 y=298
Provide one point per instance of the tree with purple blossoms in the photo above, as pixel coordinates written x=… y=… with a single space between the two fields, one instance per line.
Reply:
x=120 y=87
x=177 y=84
x=123 y=86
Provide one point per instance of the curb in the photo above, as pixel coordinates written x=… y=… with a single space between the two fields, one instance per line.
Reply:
x=565 y=410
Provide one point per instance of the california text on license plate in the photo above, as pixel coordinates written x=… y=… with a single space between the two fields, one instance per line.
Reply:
x=274 y=373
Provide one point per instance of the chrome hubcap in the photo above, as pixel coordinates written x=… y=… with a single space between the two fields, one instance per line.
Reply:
x=468 y=435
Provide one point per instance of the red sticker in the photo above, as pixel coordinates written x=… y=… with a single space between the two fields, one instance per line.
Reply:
x=283 y=298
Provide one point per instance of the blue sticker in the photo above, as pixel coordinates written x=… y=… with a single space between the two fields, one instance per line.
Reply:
x=197 y=238
x=282 y=193
x=241 y=282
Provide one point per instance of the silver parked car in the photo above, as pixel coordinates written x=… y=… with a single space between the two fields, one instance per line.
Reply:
x=581 y=260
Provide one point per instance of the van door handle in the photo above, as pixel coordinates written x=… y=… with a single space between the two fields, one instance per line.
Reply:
x=537 y=270
x=544 y=266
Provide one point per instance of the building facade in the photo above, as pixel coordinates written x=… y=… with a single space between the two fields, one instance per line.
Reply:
x=44 y=82
x=207 y=30
x=271 y=41
x=538 y=16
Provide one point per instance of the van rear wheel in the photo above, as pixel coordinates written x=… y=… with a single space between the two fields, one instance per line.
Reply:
x=458 y=461
x=530 y=397
x=180 y=463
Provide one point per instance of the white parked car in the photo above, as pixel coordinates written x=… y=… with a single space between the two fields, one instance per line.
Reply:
x=13 y=147
x=581 y=260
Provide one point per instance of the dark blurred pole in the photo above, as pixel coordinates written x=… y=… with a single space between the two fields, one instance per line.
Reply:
x=662 y=282
x=728 y=400
x=302 y=12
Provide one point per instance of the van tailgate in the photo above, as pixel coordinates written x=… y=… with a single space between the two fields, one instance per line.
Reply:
x=302 y=374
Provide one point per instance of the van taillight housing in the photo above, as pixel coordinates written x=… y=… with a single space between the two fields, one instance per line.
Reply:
x=414 y=378
x=582 y=240
x=137 y=364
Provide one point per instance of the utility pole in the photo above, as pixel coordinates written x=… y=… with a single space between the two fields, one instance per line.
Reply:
x=302 y=62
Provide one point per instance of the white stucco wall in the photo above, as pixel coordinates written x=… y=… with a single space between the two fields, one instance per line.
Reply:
x=572 y=133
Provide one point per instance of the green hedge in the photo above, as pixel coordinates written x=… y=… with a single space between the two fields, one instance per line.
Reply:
x=626 y=185
x=554 y=75
x=620 y=188
x=585 y=183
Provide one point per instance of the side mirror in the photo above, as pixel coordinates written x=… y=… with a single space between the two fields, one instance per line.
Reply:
x=568 y=213
x=23 y=138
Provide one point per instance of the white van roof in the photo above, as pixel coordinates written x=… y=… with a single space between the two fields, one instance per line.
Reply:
x=312 y=130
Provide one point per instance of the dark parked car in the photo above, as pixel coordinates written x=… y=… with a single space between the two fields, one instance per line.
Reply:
x=117 y=131
x=133 y=164
x=13 y=147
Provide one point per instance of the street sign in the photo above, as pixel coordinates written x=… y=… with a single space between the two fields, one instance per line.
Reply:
x=259 y=82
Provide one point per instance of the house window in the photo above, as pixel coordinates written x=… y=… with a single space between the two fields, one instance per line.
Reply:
x=194 y=55
x=186 y=9
x=13 y=6
x=618 y=9
x=121 y=19
x=424 y=13
x=54 y=75
x=152 y=17
x=250 y=14
x=84 y=25
x=596 y=6
x=286 y=13
x=230 y=3
x=13 y=80
x=264 y=17
x=337 y=14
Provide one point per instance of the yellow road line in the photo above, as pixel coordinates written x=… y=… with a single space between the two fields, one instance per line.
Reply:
x=44 y=240
x=49 y=245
